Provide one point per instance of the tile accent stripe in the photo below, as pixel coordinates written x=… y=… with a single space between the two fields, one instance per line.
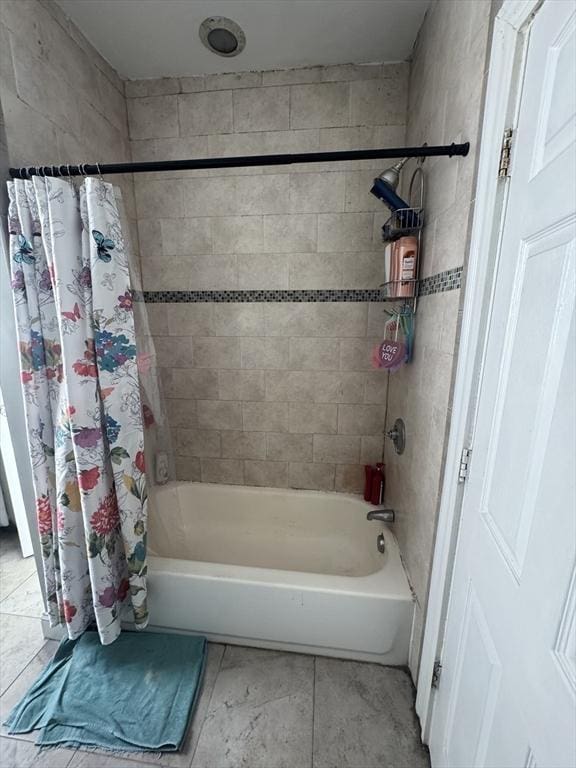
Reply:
x=448 y=280
x=443 y=281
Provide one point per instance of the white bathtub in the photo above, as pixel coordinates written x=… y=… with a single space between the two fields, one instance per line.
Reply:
x=292 y=570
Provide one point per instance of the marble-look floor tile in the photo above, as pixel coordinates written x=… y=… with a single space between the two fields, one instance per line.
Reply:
x=26 y=600
x=260 y=715
x=15 y=753
x=364 y=717
x=16 y=691
x=91 y=759
x=13 y=573
x=20 y=640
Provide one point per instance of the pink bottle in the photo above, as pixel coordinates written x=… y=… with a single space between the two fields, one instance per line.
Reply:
x=403 y=265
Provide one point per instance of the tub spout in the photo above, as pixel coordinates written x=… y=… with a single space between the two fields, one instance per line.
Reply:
x=383 y=515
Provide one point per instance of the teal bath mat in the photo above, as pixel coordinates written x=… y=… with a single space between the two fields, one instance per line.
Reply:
x=135 y=695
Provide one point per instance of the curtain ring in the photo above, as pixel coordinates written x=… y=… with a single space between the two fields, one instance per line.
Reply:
x=68 y=169
x=99 y=172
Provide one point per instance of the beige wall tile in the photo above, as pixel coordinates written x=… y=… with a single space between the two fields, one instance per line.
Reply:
x=285 y=233
x=335 y=387
x=316 y=319
x=216 y=352
x=241 y=319
x=191 y=383
x=205 y=113
x=371 y=449
x=232 y=81
x=262 y=109
x=374 y=102
x=159 y=198
x=238 y=234
x=265 y=417
x=187 y=469
x=349 y=478
x=319 y=105
x=157 y=315
x=315 y=270
x=144 y=150
x=286 y=386
x=314 y=354
x=242 y=385
x=219 y=414
x=311 y=476
x=172 y=273
x=190 y=319
x=138 y=89
x=313 y=417
x=317 y=192
x=292 y=76
x=376 y=387
x=153 y=118
x=264 y=353
x=209 y=196
x=269 y=474
x=362 y=270
x=243 y=445
x=331 y=449
x=227 y=471
x=361 y=419
x=263 y=271
x=268 y=193
x=356 y=354
x=182 y=237
x=211 y=273
x=197 y=442
x=192 y=84
x=345 y=232
x=283 y=447
x=343 y=72
x=181 y=413
x=172 y=350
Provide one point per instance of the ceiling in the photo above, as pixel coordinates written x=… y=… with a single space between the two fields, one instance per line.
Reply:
x=157 y=38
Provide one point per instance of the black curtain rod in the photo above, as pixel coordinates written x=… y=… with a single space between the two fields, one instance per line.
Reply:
x=87 y=169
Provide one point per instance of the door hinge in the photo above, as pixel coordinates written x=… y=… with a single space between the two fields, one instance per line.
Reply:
x=505 y=154
x=464 y=462
x=436 y=672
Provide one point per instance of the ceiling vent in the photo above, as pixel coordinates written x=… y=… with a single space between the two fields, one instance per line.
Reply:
x=222 y=36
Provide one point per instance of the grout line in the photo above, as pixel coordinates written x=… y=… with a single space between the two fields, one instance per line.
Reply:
x=209 y=702
x=313 y=711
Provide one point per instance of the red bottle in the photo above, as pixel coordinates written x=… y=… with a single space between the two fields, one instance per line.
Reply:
x=368 y=474
x=377 y=494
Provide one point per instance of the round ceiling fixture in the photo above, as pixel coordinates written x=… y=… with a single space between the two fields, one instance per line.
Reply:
x=222 y=36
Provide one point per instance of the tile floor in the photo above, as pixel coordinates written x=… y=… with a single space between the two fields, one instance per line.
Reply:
x=257 y=709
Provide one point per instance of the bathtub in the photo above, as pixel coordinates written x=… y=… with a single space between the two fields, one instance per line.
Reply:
x=280 y=569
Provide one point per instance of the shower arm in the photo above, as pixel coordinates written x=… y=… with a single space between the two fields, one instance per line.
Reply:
x=92 y=169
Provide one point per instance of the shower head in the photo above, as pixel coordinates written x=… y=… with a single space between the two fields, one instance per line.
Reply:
x=384 y=187
x=392 y=175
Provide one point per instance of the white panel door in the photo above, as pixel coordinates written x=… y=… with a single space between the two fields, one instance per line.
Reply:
x=507 y=695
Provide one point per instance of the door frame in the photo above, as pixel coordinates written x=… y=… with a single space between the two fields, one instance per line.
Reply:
x=506 y=67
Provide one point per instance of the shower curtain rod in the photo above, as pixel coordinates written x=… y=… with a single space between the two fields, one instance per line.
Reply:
x=88 y=169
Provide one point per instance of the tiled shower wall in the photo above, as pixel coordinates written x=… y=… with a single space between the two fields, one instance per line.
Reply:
x=263 y=392
x=446 y=88
x=61 y=101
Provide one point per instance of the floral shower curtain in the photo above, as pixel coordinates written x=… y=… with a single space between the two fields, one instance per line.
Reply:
x=74 y=314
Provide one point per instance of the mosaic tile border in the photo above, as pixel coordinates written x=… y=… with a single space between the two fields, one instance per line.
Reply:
x=448 y=280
